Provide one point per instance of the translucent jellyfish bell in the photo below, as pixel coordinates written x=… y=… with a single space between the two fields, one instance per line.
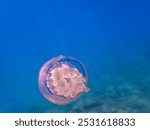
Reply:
x=60 y=81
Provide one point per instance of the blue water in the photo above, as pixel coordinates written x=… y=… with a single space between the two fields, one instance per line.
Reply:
x=112 y=38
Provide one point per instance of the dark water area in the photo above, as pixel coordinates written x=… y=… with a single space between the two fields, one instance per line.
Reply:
x=112 y=38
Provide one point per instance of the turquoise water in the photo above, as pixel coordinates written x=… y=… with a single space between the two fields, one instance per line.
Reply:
x=111 y=38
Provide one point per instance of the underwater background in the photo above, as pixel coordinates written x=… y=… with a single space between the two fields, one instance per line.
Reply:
x=112 y=39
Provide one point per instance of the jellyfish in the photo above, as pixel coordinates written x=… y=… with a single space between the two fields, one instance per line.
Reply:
x=63 y=79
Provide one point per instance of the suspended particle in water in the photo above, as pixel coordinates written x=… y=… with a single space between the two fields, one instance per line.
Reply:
x=61 y=81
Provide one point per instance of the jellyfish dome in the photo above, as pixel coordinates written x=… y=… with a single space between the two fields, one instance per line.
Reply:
x=63 y=79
